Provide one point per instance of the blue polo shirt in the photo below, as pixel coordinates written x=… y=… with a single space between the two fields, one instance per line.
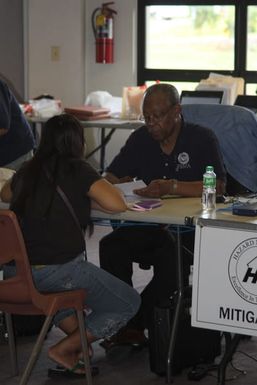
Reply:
x=142 y=157
x=19 y=139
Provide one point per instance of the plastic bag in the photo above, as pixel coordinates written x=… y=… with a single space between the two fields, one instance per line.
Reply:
x=45 y=108
x=103 y=99
x=98 y=98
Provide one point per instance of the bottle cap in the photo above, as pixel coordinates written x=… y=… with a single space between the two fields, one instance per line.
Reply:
x=209 y=168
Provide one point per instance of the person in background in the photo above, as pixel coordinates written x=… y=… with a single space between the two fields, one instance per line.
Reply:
x=170 y=156
x=16 y=137
x=55 y=246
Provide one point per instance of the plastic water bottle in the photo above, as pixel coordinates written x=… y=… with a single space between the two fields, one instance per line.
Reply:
x=209 y=189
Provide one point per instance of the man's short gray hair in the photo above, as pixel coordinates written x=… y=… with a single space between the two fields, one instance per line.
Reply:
x=164 y=88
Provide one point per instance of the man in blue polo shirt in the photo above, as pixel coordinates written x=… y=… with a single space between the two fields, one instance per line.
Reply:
x=170 y=156
x=16 y=137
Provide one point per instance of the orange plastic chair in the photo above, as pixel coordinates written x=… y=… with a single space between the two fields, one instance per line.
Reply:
x=18 y=295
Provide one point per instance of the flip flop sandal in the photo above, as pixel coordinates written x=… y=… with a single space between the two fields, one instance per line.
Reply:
x=60 y=371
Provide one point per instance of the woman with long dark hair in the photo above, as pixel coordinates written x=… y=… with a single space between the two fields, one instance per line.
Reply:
x=55 y=244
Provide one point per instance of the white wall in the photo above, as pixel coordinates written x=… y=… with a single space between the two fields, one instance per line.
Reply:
x=67 y=24
x=56 y=23
x=11 y=46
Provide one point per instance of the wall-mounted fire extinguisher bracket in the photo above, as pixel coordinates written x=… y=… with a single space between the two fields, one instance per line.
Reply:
x=102 y=23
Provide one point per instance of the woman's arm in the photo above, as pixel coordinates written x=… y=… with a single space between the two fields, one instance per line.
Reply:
x=6 y=192
x=106 y=197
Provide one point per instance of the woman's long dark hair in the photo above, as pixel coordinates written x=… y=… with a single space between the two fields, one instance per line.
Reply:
x=62 y=138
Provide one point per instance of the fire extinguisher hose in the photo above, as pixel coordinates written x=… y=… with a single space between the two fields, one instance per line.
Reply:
x=93 y=20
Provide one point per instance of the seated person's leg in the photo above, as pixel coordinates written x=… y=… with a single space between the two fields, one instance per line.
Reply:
x=162 y=255
x=115 y=255
x=125 y=245
x=164 y=280
x=152 y=245
x=118 y=250
x=158 y=248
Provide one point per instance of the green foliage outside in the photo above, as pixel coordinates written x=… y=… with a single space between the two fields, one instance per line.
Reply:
x=201 y=38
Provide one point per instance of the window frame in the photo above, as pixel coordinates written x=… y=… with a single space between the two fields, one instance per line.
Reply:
x=179 y=75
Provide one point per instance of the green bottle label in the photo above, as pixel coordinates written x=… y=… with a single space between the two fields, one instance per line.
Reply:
x=209 y=181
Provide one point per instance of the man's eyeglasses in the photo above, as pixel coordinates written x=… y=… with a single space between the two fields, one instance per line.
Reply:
x=154 y=118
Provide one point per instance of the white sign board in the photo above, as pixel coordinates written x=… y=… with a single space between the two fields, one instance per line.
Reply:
x=225 y=277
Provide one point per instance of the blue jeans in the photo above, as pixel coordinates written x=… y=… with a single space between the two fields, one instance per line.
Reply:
x=110 y=301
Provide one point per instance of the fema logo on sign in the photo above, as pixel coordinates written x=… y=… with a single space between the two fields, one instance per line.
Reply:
x=242 y=270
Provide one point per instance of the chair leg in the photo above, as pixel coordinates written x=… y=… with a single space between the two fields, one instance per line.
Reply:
x=36 y=350
x=85 y=349
x=12 y=344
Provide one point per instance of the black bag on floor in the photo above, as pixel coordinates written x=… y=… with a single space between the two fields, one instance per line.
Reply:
x=193 y=345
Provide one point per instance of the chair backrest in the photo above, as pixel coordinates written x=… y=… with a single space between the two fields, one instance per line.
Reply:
x=12 y=248
x=248 y=101
x=236 y=130
x=18 y=295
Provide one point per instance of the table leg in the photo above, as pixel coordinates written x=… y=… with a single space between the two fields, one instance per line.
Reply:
x=102 y=150
x=180 y=294
x=230 y=347
x=104 y=140
x=36 y=128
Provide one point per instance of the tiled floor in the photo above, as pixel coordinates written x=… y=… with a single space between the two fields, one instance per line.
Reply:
x=124 y=365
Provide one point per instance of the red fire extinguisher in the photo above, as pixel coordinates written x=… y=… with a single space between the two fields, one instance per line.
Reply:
x=102 y=23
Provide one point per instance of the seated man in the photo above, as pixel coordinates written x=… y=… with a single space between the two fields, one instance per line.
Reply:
x=170 y=156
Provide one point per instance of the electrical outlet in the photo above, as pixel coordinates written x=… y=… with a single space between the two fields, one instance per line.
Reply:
x=55 y=53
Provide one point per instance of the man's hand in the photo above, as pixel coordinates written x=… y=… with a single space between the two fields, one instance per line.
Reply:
x=156 y=189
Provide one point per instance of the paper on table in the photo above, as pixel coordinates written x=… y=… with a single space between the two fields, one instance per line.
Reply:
x=128 y=187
